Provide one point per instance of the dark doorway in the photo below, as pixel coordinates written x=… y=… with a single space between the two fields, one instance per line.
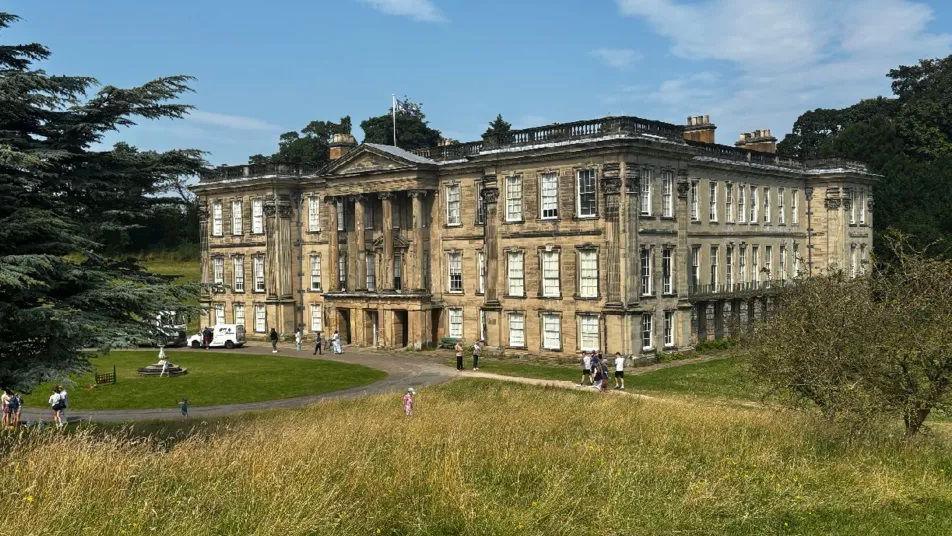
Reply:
x=343 y=325
x=371 y=328
x=435 y=316
x=400 y=328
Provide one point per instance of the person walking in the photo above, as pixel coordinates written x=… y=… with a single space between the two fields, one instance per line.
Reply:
x=207 y=336
x=58 y=402
x=4 y=406
x=619 y=371
x=183 y=407
x=459 y=355
x=598 y=376
x=14 y=405
x=273 y=336
x=586 y=368
x=408 y=401
x=477 y=348
x=335 y=342
x=318 y=344
x=298 y=339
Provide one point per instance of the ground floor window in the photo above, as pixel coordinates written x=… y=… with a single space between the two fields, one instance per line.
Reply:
x=517 y=330
x=219 y=313
x=317 y=318
x=260 y=317
x=455 y=317
x=371 y=261
x=669 y=328
x=588 y=333
x=646 y=332
x=239 y=314
x=551 y=331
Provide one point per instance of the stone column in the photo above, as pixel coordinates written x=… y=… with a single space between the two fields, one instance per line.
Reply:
x=333 y=241
x=351 y=276
x=414 y=264
x=203 y=241
x=632 y=247
x=386 y=260
x=360 y=242
x=278 y=247
x=611 y=187
x=491 y=305
x=490 y=194
x=735 y=318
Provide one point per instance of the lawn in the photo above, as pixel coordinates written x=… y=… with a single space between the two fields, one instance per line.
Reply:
x=213 y=378
x=723 y=376
x=483 y=457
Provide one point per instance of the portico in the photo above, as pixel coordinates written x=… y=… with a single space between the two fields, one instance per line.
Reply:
x=379 y=201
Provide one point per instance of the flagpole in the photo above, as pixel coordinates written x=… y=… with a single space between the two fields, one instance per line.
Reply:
x=393 y=111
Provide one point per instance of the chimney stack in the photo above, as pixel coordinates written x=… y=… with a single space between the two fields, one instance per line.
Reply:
x=340 y=144
x=758 y=140
x=700 y=129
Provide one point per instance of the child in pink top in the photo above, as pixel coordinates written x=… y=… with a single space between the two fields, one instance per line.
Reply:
x=408 y=401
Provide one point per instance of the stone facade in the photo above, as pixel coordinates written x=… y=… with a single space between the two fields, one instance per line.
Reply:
x=618 y=234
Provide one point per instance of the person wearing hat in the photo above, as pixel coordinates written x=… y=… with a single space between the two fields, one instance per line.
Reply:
x=408 y=401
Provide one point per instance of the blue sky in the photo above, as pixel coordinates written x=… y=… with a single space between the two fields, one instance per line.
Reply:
x=265 y=68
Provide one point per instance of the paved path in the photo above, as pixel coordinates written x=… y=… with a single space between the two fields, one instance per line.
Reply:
x=402 y=371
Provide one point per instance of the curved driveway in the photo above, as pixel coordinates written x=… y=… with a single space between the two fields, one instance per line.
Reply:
x=401 y=373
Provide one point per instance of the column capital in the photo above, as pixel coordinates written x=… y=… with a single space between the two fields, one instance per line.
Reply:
x=384 y=195
x=490 y=195
x=418 y=194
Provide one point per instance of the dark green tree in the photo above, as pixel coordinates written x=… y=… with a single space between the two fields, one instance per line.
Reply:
x=498 y=131
x=907 y=139
x=310 y=146
x=59 y=199
x=413 y=130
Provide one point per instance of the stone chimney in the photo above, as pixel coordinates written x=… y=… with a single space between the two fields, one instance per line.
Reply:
x=758 y=140
x=699 y=128
x=340 y=144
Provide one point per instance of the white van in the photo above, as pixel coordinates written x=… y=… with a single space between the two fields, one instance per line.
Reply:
x=225 y=335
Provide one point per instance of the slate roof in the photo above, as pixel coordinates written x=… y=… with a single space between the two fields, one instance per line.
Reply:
x=401 y=153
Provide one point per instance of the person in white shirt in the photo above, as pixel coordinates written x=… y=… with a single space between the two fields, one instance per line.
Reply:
x=298 y=339
x=586 y=368
x=58 y=402
x=619 y=371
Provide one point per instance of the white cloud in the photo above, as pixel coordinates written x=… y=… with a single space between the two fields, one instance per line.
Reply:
x=782 y=57
x=420 y=10
x=618 y=58
x=236 y=122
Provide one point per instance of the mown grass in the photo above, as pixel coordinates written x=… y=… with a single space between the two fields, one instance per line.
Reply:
x=482 y=457
x=214 y=377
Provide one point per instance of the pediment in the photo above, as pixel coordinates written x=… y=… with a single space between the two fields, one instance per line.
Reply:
x=372 y=157
x=399 y=242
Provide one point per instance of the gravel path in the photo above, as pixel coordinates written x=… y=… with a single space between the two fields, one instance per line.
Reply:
x=402 y=372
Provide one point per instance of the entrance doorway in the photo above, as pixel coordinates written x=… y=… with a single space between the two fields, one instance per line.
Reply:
x=343 y=325
x=371 y=328
x=435 y=323
x=400 y=328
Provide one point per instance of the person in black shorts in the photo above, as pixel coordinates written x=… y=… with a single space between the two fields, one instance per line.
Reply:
x=619 y=371
x=586 y=368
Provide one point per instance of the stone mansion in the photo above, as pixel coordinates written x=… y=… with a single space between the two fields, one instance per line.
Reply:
x=615 y=234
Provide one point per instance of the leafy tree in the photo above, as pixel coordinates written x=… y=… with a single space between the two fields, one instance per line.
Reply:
x=413 y=130
x=59 y=199
x=865 y=347
x=498 y=131
x=907 y=139
x=310 y=146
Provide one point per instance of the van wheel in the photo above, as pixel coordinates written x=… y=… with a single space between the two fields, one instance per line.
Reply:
x=229 y=345
x=196 y=344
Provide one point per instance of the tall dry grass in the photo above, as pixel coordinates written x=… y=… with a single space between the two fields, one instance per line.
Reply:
x=482 y=458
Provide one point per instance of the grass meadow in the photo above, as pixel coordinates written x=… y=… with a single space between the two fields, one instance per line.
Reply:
x=215 y=377
x=483 y=457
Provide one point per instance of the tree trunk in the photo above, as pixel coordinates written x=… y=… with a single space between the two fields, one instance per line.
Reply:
x=913 y=418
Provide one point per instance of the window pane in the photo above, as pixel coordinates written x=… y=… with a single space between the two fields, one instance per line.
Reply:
x=517 y=330
x=588 y=333
x=513 y=198
x=550 y=274
x=516 y=277
x=587 y=204
x=588 y=274
x=549 y=195
x=551 y=332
